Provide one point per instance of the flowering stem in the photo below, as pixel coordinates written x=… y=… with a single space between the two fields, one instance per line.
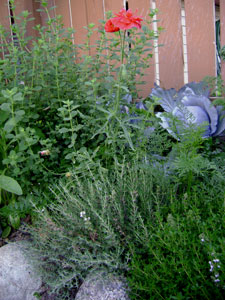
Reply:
x=122 y=46
x=122 y=42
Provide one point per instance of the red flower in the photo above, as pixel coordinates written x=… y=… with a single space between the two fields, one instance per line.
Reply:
x=109 y=27
x=125 y=19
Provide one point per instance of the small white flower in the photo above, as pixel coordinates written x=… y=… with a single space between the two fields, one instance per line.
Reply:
x=82 y=214
x=216 y=280
x=218 y=266
x=217 y=275
x=202 y=240
x=216 y=260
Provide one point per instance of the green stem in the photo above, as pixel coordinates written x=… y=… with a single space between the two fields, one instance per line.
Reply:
x=122 y=42
x=123 y=46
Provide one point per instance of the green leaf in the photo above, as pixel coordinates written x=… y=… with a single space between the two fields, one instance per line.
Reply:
x=6 y=94
x=9 y=125
x=22 y=146
x=20 y=113
x=6 y=107
x=10 y=185
x=127 y=134
x=64 y=130
x=14 y=221
x=18 y=97
x=38 y=88
x=3 y=116
x=69 y=156
x=6 y=232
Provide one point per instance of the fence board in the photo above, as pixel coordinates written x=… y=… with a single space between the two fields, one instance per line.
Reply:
x=143 y=9
x=63 y=9
x=4 y=19
x=95 y=13
x=200 y=24
x=4 y=14
x=22 y=5
x=222 y=32
x=113 y=5
x=43 y=14
x=79 y=13
x=171 y=62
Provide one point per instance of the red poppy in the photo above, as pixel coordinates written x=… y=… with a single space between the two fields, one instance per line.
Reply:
x=125 y=19
x=109 y=26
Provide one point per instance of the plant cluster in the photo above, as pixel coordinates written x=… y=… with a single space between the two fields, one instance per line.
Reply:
x=61 y=107
x=107 y=186
x=137 y=221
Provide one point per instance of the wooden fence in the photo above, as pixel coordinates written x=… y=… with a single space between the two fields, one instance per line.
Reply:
x=189 y=48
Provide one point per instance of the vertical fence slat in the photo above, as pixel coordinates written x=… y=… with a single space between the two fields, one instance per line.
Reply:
x=95 y=12
x=4 y=14
x=142 y=6
x=63 y=9
x=222 y=32
x=113 y=5
x=79 y=13
x=200 y=24
x=36 y=14
x=143 y=9
x=171 y=62
x=4 y=19
x=22 y=5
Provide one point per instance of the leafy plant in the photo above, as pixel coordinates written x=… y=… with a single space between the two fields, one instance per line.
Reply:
x=185 y=247
x=93 y=221
x=60 y=105
x=8 y=184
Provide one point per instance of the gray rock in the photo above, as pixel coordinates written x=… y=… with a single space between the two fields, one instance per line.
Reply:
x=17 y=278
x=103 y=286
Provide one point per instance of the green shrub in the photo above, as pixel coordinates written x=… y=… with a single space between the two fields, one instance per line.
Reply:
x=61 y=106
x=184 y=256
x=93 y=222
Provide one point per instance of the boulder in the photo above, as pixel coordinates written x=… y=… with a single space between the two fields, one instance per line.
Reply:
x=17 y=278
x=103 y=286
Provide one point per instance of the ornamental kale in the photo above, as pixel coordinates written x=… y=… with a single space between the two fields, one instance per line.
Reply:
x=189 y=106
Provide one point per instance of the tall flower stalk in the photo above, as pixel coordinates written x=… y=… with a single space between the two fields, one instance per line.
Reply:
x=122 y=21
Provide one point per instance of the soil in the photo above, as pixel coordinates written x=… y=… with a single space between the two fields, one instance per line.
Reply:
x=17 y=235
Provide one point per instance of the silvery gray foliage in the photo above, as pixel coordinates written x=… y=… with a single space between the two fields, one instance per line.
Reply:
x=191 y=106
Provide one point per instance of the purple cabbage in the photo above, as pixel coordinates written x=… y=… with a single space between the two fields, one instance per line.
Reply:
x=190 y=106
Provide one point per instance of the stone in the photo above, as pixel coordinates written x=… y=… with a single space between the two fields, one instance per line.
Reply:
x=103 y=286
x=17 y=278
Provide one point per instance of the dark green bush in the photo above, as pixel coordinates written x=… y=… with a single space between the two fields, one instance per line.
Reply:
x=184 y=257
